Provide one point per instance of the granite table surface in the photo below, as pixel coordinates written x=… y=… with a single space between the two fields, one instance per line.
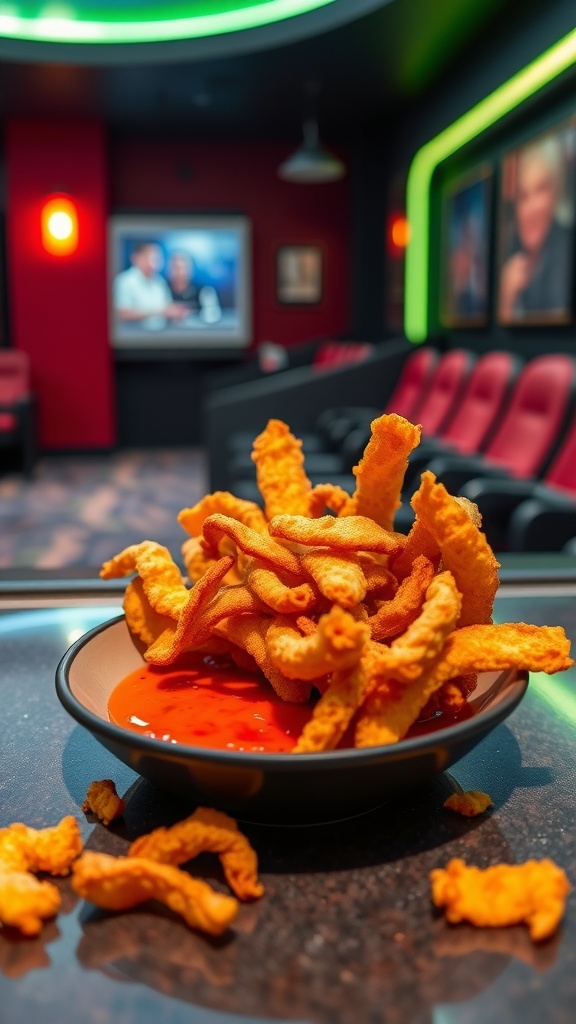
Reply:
x=346 y=931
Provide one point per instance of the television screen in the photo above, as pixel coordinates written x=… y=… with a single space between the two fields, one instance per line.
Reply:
x=180 y=281
x=465 y=247
x=536 y=229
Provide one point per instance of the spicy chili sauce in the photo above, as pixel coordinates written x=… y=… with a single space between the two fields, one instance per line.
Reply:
x=207 y=702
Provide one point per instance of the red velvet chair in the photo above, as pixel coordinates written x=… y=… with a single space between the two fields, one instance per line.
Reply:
x=17 y=407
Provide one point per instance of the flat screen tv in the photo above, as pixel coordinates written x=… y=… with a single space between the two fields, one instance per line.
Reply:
x=180 y=281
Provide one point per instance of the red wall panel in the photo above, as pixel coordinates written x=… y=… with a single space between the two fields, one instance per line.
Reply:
x=58 y=304
x=171 y=174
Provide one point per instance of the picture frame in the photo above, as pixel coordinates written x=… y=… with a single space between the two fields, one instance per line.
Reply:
x=465 y=249
x=299 y=275
x=536 y=224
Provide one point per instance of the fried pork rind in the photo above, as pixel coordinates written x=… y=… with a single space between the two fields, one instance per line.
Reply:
x=340 y=578
x=260 y=546
x=161 y=578
x=465 y=551
x=205 y=830
x=354 y=533
x=284 y=596
x=141 y=618
x=249 y=632
x=26 y=902
x=470 y=804
x=395 y=615
x=333 y=712
x=391 y=706
x=103 y=801
x=197 y=561
x=119 y=883
x=247 y=512
x=336 y=644
x=280 y=474
x=325 y=496
x=380 y=473
x=533 y=893
x=52 y=849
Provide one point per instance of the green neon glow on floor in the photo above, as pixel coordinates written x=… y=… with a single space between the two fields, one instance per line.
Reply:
x=64 y=22
x=524 y=84
x=559 y=693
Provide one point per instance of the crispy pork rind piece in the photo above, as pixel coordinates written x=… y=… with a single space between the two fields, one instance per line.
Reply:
x=533 y=893
x=420 y=646
x=176 y=637
x=470 y=804
x=339 y=577
x=392 y=706
x=326 y=496
x=103 y=801
x=141 y=619
x=280 y=473
x=419 y=542
x=247 y=512
x=161 y=578
x=354 y=533
x=197 y=561
x=249 y=632
x=119 y=883
x=206 y=830
x=260 y=546
x=333 y=712
x=52 y=849
x=380 y=472
x=336 y=644
x=282 y=593
x=465 y=550
x=394 y=616
x=26 y=902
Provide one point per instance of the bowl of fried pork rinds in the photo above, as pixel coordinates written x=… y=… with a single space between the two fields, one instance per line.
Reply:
x=386 y=639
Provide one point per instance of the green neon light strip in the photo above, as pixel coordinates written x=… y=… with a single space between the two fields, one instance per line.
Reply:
x=539 y=73
x=558 y=693
x=66 y=29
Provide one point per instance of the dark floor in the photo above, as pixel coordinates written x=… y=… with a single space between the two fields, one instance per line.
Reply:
x=79 y=511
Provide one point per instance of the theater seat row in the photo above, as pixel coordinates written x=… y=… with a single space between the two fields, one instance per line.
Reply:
x=497 y=430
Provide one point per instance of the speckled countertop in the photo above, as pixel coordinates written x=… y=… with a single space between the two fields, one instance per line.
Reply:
x=346 y=931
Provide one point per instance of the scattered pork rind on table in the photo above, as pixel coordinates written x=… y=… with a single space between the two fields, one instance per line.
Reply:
x=318 y=592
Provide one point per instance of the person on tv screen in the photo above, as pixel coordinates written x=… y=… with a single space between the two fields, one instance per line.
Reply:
x=535 y=277
x=142 y=297
x=202 y=302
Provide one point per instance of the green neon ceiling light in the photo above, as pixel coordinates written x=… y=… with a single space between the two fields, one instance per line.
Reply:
x=57 y=22
x=520 y=87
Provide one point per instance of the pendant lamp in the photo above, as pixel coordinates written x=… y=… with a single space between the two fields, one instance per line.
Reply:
x=311 y=162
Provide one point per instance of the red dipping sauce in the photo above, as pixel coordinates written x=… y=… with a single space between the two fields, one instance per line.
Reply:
x=205 y=701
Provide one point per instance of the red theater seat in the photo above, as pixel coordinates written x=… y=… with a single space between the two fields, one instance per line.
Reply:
x=17 y=427
x=530 y=431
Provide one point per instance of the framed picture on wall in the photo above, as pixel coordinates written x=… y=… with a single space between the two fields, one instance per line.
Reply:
x=299 y=274
x=465 y=247
x=536 y=216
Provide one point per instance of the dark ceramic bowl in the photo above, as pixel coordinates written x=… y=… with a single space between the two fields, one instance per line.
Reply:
x=283 y=789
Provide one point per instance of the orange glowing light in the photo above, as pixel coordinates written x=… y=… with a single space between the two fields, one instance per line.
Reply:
x=59 y=226
x=400 y=232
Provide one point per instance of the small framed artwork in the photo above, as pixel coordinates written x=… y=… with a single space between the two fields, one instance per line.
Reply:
x=465 y=249
x=536 y=217
x=299 y=273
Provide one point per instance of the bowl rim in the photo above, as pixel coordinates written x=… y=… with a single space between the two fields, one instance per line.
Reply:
x=486 y=718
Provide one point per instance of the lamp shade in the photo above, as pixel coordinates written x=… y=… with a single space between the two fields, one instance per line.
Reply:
x=311 y=162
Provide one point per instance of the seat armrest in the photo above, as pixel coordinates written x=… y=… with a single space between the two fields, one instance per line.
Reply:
x=454 y=470
x=539 y=525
